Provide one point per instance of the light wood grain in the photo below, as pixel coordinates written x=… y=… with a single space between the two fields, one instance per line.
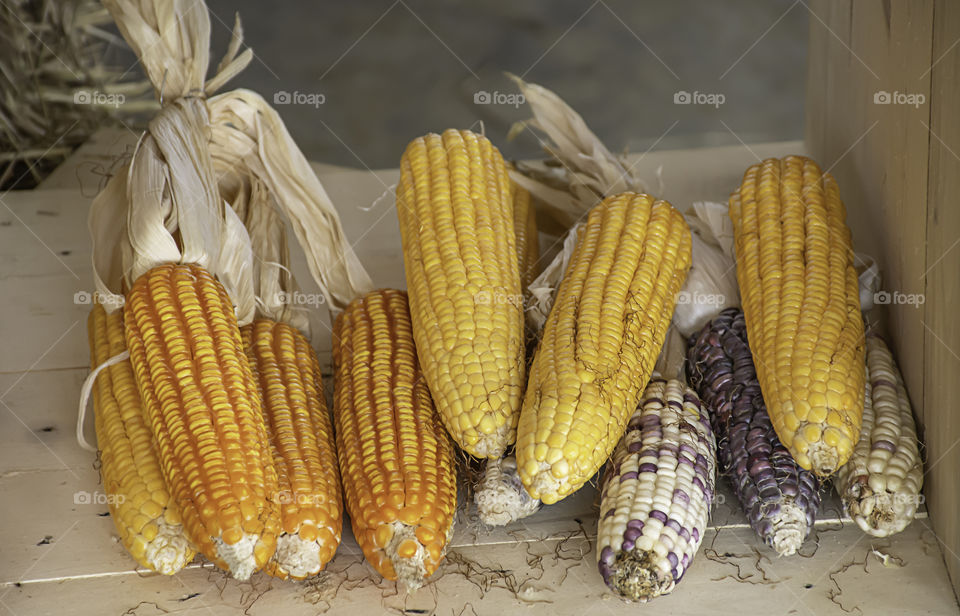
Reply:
x=897 y=170
x=941 y=359
x=551 y=586
x=81 y=569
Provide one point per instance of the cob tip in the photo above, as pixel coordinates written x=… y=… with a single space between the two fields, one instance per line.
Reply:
x=169 y=551
x=823 y=458
x=297 y=557
x=501 y=498
x=239 y=557
x=408 y=555
x=789 y=529
x=879 y=514
x=636 y=575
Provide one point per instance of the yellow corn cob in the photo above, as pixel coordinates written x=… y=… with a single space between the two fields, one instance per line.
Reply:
x=395 y=456
x=201 y=403
x=298 y=425
x=456 y=223
x=145 y=515
x=525 y=228
x=801 y=303
x=600 y=341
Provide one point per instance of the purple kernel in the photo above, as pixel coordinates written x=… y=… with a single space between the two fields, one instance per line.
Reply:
x=627 y=545
x=631 y=535
x=635 y=524
x=885 y=445
x=674 y=561
x=659 y=515
x=606 y=555
x=648 y=467
x=628 y=476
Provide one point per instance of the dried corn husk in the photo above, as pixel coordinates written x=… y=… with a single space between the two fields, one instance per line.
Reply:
x=196 y=150
x=582 y=170
x=711 y=284
x=580 y=173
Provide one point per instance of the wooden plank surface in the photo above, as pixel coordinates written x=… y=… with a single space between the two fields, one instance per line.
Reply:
x=941 y=357
x=881 y=113
x=60 y=555
x=555 y=577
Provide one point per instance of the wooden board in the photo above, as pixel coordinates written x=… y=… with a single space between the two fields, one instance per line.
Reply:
x=59 y=551
x=897 y=167
x=941 y=342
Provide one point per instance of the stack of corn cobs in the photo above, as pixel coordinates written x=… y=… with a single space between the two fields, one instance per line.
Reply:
x=215 y=429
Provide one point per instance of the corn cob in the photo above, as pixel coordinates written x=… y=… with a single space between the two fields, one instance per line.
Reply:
x=656 y=494
x=779 y=498
x=145 y=515
x=525 y=228
x=500 y=495
x=202 y=405
x=880 y=484
x=801 y=302
x=600 y=341
x=395 y=457
x=301 y=437
x=456 y=225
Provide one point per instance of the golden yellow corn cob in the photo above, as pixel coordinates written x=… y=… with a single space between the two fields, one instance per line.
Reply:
x=456 y=223
x=801 y=303
x=600 y=341
x=202 y=405
x=395 y=456
x=525 y=228
x=298 y=424
x=145 y=515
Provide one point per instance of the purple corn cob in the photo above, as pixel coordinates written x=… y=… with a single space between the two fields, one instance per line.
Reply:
x=656 y=494
x=779 y=498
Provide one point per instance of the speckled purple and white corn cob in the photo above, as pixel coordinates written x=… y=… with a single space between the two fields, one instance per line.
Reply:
x=656 y=494
x=880 y=484
x=779 y=498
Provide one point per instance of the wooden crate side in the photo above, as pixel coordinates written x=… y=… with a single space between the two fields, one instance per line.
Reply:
x=897 y=165
x=941 y=327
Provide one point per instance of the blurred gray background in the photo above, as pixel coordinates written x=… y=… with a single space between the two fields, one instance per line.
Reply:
x=365 y=77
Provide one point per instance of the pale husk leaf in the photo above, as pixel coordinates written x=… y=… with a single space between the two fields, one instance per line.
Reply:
x=245 y=128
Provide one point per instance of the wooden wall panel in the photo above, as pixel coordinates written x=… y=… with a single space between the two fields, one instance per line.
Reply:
x=882 y=85
x=941 y=366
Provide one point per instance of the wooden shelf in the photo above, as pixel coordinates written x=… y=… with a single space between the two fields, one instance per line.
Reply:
x=61 y=557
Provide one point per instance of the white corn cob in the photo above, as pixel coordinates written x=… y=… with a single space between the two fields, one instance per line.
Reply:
x=880 y=485
x=656 y=495
x=500 y=496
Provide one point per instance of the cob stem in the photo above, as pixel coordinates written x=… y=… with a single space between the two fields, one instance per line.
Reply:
x=501 y=498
